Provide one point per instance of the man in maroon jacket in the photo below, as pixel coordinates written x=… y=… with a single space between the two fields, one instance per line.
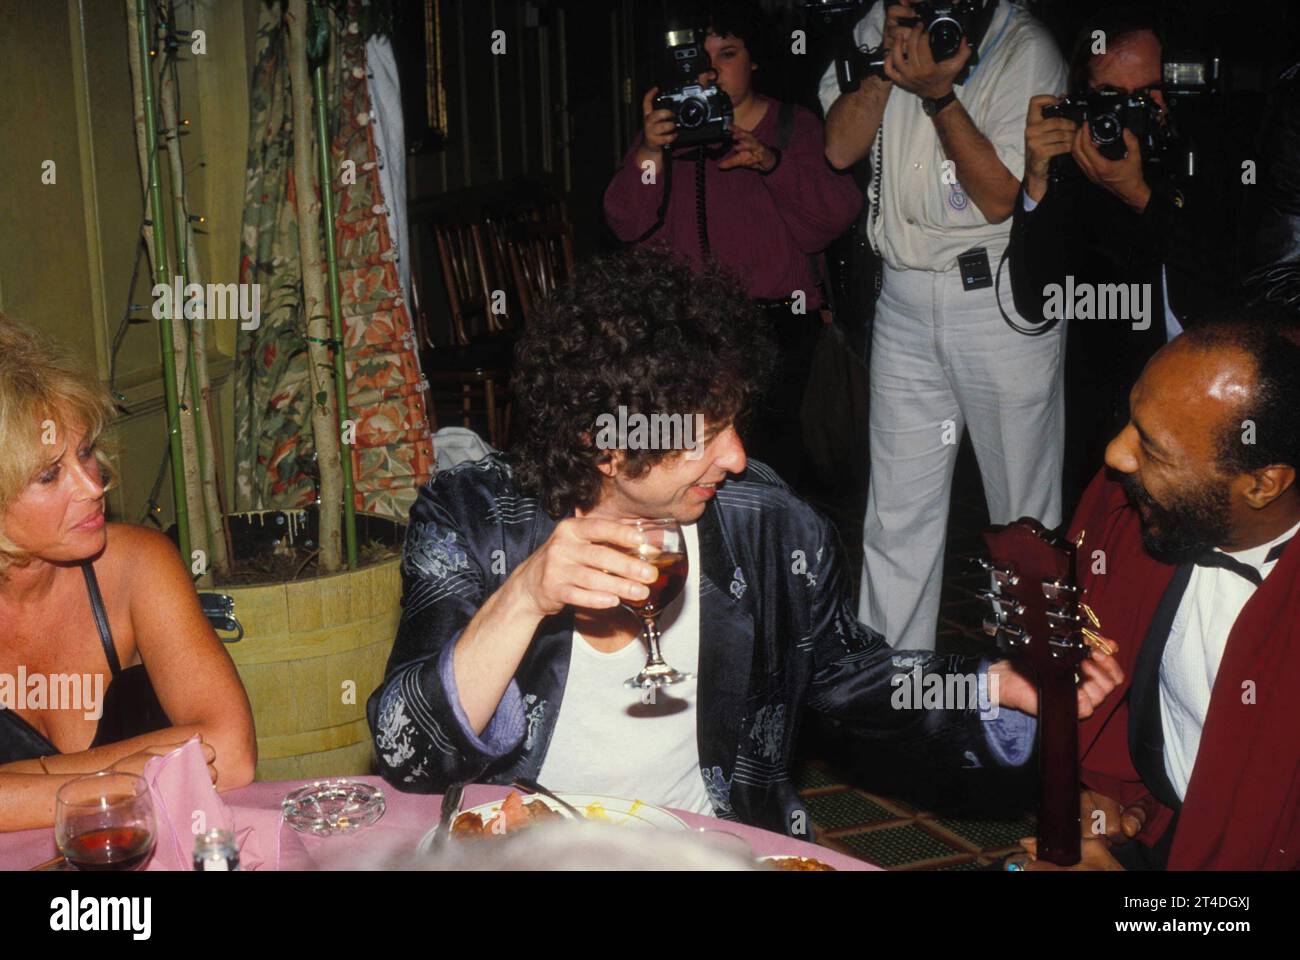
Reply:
x=1194 y=572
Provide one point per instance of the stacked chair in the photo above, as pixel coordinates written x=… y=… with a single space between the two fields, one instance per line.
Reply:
x=497 y=259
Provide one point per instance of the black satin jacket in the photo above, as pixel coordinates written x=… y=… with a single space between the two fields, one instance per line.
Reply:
x=776 y=634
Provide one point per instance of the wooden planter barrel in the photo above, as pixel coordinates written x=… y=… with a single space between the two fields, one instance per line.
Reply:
x=312 y=653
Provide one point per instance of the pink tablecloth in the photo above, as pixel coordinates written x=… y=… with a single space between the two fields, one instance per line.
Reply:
x=409 y=816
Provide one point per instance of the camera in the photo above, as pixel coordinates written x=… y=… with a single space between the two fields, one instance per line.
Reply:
x=946 y=24
x=703 y=115
x=1109 y=113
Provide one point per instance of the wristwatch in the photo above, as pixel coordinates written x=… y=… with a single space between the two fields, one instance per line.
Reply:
x=933 y=106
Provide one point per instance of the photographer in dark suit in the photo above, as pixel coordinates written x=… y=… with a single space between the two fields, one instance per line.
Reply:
x=1085 y=221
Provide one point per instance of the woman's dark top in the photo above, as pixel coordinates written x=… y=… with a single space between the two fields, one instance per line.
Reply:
x=130 y=705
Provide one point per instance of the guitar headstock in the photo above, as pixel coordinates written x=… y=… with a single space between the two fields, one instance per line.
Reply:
x=1034 y=595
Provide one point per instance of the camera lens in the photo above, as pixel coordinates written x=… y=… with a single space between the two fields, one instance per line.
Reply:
x=945 y=39
x=1106 y=128
x=693 y=112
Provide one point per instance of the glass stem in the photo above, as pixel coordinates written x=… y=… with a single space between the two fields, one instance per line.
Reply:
x=652 y=639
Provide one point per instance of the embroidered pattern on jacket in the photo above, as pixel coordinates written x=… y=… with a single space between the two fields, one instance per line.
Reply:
x=536 y=715
x=768 y=731
x=434 y=554
x=393 y=729
x=738 y=583
x=718 y=788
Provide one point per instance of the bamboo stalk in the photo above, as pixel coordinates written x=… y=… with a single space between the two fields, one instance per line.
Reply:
x=186 y=333
x=336 y=310
x=157 y=233
x=203 y=483
x=324 y=417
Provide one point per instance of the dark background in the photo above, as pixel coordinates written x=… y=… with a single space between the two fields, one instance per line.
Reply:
x=563 y=103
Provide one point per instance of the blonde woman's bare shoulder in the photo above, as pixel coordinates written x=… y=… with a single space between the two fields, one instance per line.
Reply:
x=134 y=549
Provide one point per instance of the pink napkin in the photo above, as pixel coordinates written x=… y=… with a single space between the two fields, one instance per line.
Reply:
x=186 y=804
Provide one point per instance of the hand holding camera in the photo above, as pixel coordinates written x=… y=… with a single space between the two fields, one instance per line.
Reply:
x=1122 y=177
x=1109 y=134
x=899 y=18
x=1046 y=136
x=912 y=64
x=701 y=111
x=659 y=126
x=749 y=152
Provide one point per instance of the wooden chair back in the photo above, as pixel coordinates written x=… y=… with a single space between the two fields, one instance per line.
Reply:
x=465 y=274
x=541 y=260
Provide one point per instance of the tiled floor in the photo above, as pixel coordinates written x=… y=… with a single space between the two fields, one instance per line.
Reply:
x=895 y=835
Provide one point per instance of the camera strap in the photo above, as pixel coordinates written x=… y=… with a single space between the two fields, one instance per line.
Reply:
x=1035 y=331
x=665 y=161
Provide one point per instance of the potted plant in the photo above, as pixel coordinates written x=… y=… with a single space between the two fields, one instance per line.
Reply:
x=309 y=596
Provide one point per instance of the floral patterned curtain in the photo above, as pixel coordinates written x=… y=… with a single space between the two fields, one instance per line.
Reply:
x=393 y=453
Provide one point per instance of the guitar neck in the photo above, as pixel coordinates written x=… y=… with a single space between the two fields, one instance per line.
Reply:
x=1058 y=753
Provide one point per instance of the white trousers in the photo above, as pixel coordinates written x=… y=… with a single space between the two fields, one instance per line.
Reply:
x=943 y=360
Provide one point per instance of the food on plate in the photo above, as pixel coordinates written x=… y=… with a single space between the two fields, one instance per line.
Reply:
x=514 y=814
x=798 y=863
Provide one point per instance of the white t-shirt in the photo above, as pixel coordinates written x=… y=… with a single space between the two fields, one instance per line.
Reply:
x=1210 y=606
x=608 y=741
x=925 y=223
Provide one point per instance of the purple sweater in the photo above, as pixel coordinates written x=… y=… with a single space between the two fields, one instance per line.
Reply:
x=761 y=227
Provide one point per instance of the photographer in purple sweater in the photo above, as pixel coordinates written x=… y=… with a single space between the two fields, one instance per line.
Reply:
x=771 y=204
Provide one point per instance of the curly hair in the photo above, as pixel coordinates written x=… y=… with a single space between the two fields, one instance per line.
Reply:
x=641 y=330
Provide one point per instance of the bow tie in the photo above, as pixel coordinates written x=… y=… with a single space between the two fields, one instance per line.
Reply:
x=1216 y=558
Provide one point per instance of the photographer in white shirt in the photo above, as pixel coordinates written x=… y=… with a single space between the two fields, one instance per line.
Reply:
x=949 y=158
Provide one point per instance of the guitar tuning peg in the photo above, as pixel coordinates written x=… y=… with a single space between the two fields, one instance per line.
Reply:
x=1001 y=601
x=1055 y=590
x=1092 y=617
x=1064 y=619
x=1008 y=635
x=1062 y=645
x=1001 y=575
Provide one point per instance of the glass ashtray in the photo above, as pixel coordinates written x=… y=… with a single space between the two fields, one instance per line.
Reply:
x=330 y=807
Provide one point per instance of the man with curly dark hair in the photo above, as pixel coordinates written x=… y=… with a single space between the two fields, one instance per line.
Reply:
x=513 y=645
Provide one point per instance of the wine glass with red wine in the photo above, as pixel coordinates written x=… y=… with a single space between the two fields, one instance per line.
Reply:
x=664 y=548
x=105 y=821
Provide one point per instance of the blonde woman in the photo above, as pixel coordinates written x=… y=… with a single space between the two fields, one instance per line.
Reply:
x=105 y=657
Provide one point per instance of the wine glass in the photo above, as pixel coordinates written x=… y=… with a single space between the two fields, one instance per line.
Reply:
x=105 y=821
x=664 y=548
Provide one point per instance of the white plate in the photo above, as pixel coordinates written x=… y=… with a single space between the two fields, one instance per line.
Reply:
x=597 y=808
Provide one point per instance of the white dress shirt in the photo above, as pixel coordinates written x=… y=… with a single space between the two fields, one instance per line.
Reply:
x=925 y=223
x=1197 y=639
